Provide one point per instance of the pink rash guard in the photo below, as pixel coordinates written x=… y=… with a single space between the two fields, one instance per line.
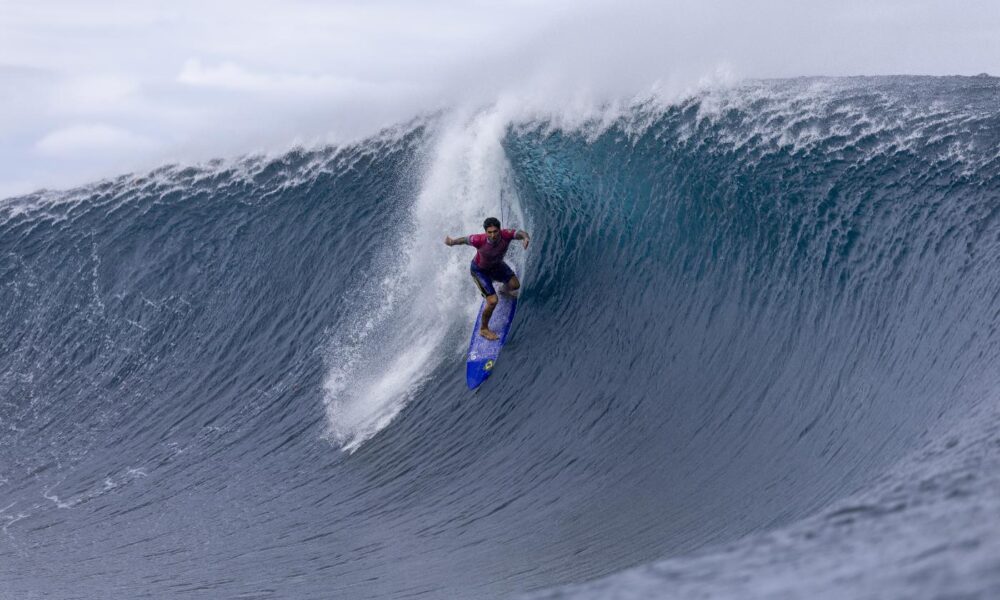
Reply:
x=487 y=254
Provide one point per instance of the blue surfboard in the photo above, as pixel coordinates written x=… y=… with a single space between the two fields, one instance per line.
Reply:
x=483 y=353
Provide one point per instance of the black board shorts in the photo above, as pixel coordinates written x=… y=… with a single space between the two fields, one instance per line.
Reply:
x=484 y=278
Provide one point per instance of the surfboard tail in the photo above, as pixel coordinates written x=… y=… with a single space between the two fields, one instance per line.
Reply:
x=476 y=372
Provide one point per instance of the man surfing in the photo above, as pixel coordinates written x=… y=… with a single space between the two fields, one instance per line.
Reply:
x=488 y=265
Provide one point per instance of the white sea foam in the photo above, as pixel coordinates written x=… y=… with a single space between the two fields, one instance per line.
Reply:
x=400 y=329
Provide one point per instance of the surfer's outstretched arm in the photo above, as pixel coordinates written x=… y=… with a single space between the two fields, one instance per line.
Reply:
x=450 y=241
x=523 y=235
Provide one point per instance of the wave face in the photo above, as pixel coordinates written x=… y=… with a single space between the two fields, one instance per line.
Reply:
x=764 y=311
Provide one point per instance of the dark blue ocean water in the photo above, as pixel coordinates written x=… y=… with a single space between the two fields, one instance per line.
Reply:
x=755 y=356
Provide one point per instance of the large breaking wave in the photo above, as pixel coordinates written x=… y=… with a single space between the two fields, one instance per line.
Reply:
x=765 y=310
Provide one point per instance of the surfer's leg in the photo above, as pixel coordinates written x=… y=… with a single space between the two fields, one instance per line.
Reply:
x=513 y=284
x=488 y=306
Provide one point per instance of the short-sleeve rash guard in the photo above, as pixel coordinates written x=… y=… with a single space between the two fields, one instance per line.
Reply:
x=488 y=254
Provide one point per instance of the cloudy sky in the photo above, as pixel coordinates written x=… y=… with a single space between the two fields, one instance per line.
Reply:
x=103 y=87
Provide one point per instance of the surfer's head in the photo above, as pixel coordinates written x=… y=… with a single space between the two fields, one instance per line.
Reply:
x=492 y=227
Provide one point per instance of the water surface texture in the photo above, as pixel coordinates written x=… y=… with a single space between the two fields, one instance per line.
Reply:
x=755 y=356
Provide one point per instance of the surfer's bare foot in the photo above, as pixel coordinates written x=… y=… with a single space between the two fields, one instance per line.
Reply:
x=486 y=333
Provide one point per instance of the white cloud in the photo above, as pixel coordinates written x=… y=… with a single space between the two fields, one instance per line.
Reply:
x=95 y=94
x=79 y=141
x=225 y=75
x=231 y=76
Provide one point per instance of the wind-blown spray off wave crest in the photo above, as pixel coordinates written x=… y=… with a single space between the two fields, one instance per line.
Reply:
x=753 y=319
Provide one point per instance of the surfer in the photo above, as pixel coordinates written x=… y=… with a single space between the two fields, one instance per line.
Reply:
x=488 y=265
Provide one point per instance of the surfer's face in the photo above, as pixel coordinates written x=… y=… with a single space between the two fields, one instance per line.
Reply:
x=492 y=234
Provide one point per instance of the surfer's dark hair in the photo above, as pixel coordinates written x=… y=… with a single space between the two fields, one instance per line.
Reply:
x=491 y=221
